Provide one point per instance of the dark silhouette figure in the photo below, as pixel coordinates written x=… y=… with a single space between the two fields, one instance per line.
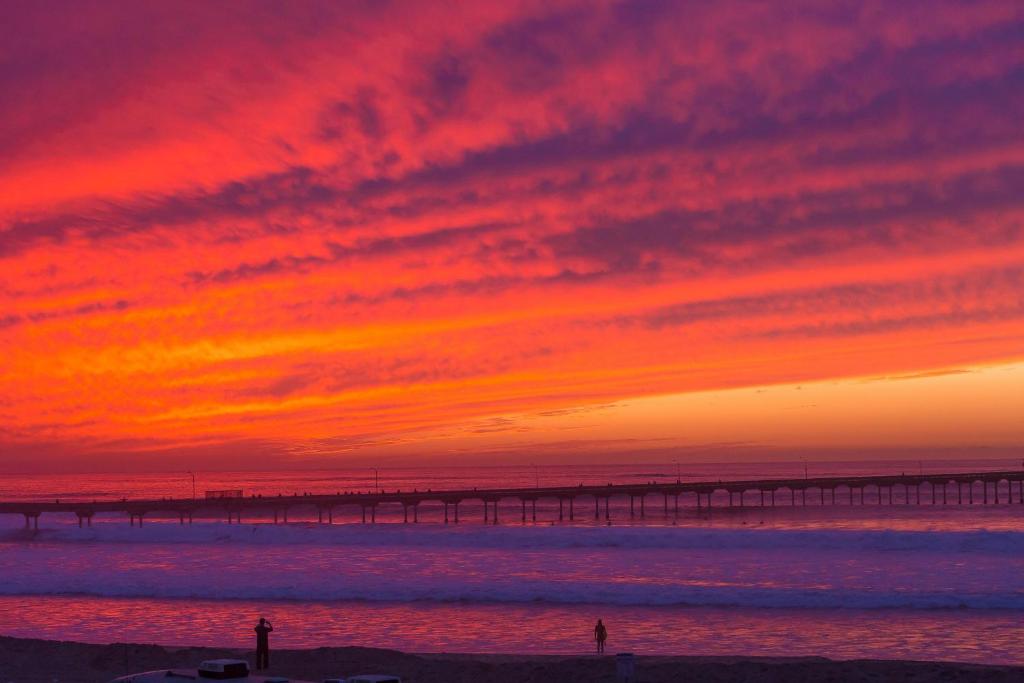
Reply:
x=263 y=630
x=600 y=635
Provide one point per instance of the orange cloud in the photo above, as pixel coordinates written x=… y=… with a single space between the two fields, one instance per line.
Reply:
x=332 y=230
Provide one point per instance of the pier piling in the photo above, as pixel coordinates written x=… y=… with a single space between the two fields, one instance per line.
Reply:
x=232 y=509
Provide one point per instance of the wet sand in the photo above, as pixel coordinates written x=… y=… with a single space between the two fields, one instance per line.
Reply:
x=31 y=661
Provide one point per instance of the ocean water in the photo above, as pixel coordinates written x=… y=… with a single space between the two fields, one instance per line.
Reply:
x=928 y=581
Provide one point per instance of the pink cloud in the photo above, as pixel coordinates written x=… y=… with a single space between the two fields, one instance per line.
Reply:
x=235 y=226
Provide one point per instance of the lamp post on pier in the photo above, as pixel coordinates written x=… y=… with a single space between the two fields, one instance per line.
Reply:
x=193 y=484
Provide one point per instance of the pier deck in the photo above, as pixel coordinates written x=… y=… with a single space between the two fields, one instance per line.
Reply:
x=939 y=489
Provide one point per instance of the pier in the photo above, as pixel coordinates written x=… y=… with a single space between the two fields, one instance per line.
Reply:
x=574 y=502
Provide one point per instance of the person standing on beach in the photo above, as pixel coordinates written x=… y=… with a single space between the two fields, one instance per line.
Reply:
x=263 y=630
x=600 y=635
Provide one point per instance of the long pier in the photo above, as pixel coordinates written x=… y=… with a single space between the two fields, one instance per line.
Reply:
x=939 y=489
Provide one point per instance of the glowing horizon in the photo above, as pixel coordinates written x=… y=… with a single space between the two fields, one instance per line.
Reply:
x=492 y=230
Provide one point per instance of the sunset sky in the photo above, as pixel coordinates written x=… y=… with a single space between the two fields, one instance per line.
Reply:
x=268 y=234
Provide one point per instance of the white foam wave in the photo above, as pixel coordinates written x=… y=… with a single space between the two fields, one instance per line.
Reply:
x=529 y=592
x=530 y=537
x=650 y=566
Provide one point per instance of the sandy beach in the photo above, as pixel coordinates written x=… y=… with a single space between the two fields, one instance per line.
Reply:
x=31 y=661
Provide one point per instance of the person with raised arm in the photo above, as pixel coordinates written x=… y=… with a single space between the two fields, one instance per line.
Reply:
x=263 y=630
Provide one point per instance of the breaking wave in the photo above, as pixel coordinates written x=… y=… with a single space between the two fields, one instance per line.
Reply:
x=470 y=536
x=755 y=568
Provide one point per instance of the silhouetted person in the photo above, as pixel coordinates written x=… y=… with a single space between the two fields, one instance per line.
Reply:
x=600 y=635
x=263 y=630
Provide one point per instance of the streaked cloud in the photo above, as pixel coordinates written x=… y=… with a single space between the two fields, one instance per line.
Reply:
x=338 y=227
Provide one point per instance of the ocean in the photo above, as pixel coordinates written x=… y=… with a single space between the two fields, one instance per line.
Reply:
x=942 y=581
